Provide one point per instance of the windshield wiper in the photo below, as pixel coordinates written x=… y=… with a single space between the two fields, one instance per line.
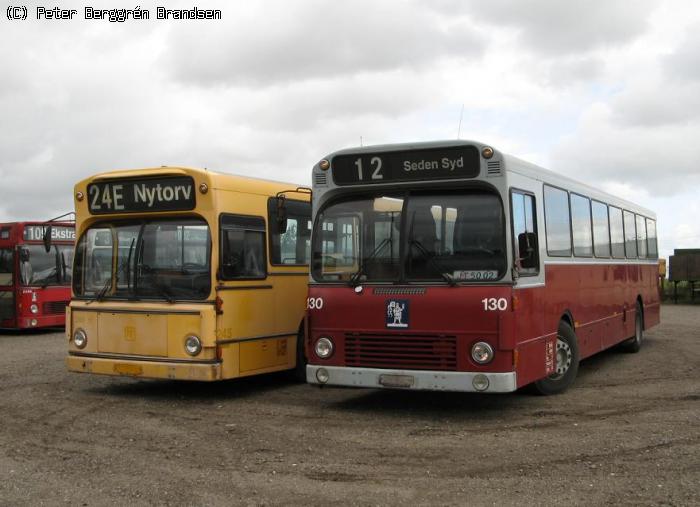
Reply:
x=431 y=262
x=164 y=291
x=363 y=262
x=103 y=291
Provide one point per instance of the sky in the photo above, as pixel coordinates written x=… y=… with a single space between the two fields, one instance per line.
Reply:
x=607 y=92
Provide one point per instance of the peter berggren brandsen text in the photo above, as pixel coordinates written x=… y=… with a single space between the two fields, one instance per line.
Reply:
x=123 y=15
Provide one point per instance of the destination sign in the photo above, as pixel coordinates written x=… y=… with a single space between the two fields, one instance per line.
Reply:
x=58 y=233
x=146 y=194
x=435 y=163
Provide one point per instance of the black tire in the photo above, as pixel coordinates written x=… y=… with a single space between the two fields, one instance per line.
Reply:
x=299 y=371
x=634 y=343
x=567 y=359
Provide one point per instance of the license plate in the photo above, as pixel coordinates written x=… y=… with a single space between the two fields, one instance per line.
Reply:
x=396 y=380
x=128 y=369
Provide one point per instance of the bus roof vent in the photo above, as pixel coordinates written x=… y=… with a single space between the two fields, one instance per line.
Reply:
x=320 y=179
x=493 y=168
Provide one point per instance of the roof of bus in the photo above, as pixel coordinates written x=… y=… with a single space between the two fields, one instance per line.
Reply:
x=216 y=180
x=513 y=164
x=37 y=222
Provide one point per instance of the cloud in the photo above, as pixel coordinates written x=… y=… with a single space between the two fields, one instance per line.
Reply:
x=555 y=28
x=276 y=42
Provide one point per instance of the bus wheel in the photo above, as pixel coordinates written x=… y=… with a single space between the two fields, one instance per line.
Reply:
x=566 y=363
x=634 y=343
x=300 y=368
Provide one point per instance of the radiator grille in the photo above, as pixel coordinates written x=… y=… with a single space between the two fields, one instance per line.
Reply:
x=411 y=352
x=55 y=307
x=399 y=291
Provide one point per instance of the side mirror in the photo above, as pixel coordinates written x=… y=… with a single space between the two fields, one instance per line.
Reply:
x=527 y=249
x=281 y=214
x=48 y=230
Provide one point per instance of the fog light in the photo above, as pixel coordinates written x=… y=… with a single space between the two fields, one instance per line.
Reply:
x=33 y=322
x=324 y=348
x=34 y=309
x=480 y=382
x=193 y=345
x=482 y=352
x=322 y=375
x=80 y=338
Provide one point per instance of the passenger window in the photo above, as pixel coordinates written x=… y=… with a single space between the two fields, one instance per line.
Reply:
x=557 y=224
x=601 y=230
x=293 y=245
x=242 y=247
x=630 y=235
x=617 y=233
x=641 y=237
x=651 y=239
x=581 y=222
x=525 y=234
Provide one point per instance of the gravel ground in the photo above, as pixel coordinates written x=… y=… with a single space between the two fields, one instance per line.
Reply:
x=627 y=433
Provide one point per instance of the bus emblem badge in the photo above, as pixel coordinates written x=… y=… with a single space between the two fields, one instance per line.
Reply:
x=397 y=313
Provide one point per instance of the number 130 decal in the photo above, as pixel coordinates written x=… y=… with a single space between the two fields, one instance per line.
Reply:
x=493 y=304
x=314 y=303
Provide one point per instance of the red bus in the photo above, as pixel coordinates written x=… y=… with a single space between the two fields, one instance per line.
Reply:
x=453 y=266
x=35 y=277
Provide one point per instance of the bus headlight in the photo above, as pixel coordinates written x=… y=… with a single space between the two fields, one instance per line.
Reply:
x=34 y=308
x=80 y=338
x=193 y=345
x=482 y=352
x=324 y=348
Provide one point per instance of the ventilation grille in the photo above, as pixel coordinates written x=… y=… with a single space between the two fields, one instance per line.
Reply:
x=411 y=352
x=399 y=291
x=321 y=179
x=493 y=168
x=55 y=307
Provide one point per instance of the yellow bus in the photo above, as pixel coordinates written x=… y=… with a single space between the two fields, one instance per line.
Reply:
x=188 y=274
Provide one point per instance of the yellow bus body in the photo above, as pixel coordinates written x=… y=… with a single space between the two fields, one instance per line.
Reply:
x=246 y=327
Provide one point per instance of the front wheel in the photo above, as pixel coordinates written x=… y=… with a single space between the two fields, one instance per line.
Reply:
x=566 y=367
x=634 y=343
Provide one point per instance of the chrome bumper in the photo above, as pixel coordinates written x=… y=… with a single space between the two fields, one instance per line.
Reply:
x=412 y=379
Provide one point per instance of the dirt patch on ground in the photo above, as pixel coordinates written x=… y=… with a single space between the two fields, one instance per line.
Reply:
x=628 y=433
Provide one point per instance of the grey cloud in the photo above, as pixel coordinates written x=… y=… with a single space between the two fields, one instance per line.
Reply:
x=684 y=61
x=311 y=40
x=555 y=28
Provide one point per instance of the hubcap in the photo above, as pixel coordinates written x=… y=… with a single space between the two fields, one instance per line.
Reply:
x=564 y=358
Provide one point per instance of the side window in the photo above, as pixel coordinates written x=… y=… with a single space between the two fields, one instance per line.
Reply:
x=651 y=239
x=617 y=233
x=242 y=247
x=601 y=230
x=293 y=246
x=641 y=236
x=557 y=224
x=581 y=222
x=525 y=244
x=630 y=235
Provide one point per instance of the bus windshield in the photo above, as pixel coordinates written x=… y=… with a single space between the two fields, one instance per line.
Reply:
x=6 y=266
x=37 y=267
x=416 y=237
x=165 y=259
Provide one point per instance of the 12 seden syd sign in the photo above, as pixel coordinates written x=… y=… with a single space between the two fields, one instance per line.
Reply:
x=139 y=195
x=386 y=167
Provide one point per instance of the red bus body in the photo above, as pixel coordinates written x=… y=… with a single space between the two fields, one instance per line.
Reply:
x=28 y=301
x=597 y=297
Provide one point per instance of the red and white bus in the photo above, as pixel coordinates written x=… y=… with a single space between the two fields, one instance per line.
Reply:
x=35 y=274
x=453 y=266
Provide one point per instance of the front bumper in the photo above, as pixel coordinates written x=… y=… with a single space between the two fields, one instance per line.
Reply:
x=412 y=379
x=145 y=369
